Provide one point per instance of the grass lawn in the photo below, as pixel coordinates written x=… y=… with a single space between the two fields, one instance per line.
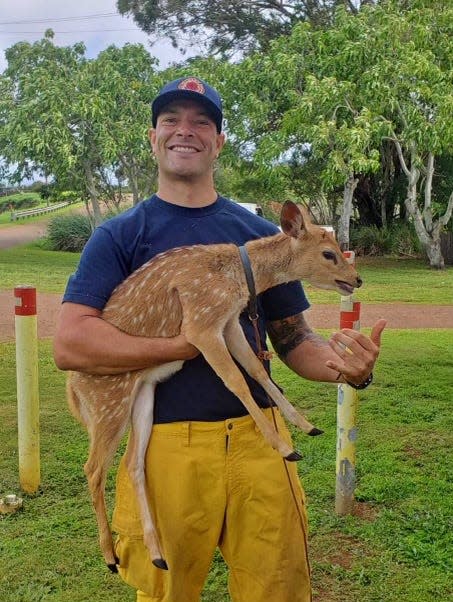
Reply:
x=385 y=280
x=48 y=271
x=5 y=217
x=397 y=549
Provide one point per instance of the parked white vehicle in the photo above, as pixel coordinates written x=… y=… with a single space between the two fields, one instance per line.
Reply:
x=253 y=207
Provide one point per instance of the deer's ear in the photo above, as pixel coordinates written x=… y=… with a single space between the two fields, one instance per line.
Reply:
x=293 y=220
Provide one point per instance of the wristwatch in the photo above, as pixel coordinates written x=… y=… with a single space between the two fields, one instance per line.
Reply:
x=364 y=385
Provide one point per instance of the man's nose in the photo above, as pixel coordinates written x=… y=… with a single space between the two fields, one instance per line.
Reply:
x=184 y=128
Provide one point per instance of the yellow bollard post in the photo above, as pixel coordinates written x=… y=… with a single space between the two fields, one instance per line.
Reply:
x=27 y=388
x=347 y=402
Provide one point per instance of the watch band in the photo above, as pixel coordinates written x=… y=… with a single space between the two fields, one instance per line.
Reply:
x=364 y=385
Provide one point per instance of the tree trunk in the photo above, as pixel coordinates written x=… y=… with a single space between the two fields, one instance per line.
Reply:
x=345 y=219
x=434 y=252
x=131 y=171
x=93 y=194
x=133 y=183
x=429 y=234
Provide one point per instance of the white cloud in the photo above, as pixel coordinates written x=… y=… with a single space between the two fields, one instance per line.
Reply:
x=96 y=33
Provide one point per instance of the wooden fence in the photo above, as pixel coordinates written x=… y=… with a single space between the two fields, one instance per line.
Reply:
x=15 y=215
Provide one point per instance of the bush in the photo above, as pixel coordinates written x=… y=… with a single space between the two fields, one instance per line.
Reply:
x=18 y=201
x=64 y=195
x=398 y=239
x=69 y=232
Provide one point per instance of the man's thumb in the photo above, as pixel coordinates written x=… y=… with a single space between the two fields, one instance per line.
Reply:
x=376 y=331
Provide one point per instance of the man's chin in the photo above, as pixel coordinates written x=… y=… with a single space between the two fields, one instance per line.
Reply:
x=185 y=172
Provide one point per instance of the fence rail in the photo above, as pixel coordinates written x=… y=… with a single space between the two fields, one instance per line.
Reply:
x=15 y=215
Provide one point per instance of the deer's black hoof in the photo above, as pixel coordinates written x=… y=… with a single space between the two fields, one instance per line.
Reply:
x=113 y=568
x=294 y=457
x=314 y=432
x=160 y=563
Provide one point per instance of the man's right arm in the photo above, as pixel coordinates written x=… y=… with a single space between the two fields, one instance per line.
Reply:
x=84 y=342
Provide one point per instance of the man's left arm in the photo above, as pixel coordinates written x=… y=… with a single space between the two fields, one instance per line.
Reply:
x=348 y=355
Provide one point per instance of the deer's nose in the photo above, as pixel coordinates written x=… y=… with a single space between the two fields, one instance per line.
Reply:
x=359 y=282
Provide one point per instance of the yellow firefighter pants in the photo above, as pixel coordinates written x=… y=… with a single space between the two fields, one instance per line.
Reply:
x=216 y=484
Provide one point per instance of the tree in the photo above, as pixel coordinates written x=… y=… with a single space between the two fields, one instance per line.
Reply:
x=76 y=119
x=414 y=100
x=229 y=26
x=338 y=96
x=125 y=83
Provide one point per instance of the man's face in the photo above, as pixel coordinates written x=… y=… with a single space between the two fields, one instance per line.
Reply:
x=185 y=140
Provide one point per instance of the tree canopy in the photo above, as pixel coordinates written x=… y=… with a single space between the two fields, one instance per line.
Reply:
x=230 y=26
x=338 y=96
x=80 y=121
x=353 y=118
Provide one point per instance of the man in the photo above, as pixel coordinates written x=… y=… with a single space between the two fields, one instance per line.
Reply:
x=213 y=480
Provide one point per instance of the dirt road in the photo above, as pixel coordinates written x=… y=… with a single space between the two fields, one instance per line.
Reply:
x=398 y=315
x=21 y=234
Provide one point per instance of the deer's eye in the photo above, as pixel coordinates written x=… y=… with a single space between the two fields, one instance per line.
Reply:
x=330 y=256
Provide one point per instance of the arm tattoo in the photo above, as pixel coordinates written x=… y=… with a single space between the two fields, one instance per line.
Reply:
x=288 y=333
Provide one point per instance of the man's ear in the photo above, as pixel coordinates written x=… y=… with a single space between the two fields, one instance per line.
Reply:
x=221 y=139
x=152 y=137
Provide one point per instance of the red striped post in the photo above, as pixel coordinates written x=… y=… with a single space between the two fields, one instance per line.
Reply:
x=27 y=387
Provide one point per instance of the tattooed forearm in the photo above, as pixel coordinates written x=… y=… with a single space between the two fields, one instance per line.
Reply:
x=287 y=334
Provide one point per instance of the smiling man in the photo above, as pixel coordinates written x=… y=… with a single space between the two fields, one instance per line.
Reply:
x=212 y=479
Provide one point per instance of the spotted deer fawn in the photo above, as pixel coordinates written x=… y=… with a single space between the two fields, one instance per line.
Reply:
x=199 y=291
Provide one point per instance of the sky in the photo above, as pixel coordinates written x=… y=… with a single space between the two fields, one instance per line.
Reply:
x=96 y=31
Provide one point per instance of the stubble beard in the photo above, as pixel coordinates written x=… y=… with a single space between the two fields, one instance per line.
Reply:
x=185 y=173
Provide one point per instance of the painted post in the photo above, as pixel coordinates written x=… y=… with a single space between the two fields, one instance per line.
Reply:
x=347 y=402
x=27 y=388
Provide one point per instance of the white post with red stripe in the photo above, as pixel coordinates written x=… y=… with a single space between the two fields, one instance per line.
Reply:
x=347 y=402
x=27 y=388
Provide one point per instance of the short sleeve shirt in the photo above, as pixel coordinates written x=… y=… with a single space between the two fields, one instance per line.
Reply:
x=123 y=244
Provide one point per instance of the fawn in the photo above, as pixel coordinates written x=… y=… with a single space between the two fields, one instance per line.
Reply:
x=165 y=297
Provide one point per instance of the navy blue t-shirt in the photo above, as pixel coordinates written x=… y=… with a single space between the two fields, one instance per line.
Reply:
x=124 y=243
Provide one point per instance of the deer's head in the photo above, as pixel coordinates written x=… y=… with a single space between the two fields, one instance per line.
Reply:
x=315 y=255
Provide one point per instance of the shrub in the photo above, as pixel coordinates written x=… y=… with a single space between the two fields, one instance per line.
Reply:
x=398 y=239
x=406 y=242
x=69 y=232
x=64 y=195
x=371 y=240
x=18 y=201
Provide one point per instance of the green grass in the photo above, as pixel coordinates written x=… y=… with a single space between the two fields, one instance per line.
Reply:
x=385 y=280
x=5 y=217
x=397 y=550
x=48 y=271
x=391 y=280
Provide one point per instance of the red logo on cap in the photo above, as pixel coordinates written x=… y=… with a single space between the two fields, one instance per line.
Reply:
x=193 y=84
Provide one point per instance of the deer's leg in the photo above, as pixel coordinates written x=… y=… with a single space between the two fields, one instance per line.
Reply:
x=141 y=427
x=243 y=353
x=212 y=346
x=104 y=441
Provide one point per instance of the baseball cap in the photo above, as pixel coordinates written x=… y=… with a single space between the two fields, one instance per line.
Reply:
x=193 y=89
